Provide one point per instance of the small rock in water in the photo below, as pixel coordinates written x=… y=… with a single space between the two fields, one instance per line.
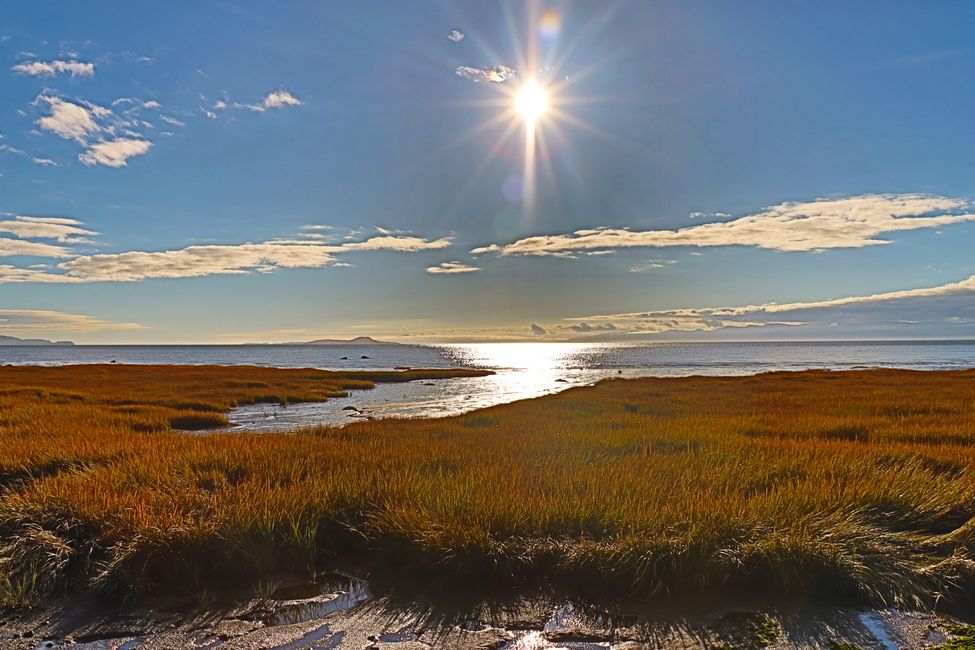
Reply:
x=363 y=357
x=351 y=408
x=344 y=359
x=401 y=368
x=564 y=381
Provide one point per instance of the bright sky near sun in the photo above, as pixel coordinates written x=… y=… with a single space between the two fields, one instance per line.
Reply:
x=417 y=171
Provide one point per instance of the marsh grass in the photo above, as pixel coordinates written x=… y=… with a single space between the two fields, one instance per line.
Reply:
x=852 y=485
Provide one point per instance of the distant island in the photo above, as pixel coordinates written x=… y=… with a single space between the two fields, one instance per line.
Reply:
x=359 y=340
x=13 y=340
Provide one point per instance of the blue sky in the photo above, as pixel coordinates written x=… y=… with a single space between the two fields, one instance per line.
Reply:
x=253 y=171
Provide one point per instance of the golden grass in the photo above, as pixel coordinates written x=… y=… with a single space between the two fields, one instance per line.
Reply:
x=845 y=484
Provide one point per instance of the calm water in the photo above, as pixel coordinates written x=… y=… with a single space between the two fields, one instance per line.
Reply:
x=522 y=369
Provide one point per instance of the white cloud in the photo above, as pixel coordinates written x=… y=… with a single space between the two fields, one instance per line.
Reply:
x=455 y=36
x=853 y=222
x=68 y=120
x=171 y=120
x=50 y=68
x=34 y=321
x=279 y=99
x=452 y=267
x=46 y=162
x=57 y=228
x=495 y=74
x=537 y=330
x=114 y=153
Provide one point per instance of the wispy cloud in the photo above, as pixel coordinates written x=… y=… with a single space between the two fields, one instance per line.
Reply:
x=57 y=228
x=494 y=74
x=50 y=68
x=38 y=321
x=452 y=267
x=272 y=100
x=853 y=222
x=18 y=247
x=455 y=35
x=114 y=153
x=652 y=265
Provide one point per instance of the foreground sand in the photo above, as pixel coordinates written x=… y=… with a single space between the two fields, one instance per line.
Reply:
x=848 y=487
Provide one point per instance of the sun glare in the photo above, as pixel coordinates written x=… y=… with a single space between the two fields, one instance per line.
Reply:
x=531 y=101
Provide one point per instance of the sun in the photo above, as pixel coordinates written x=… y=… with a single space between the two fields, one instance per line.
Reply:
x=531 y=101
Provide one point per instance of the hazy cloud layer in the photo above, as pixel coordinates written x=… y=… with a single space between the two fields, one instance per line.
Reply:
x=495 y=74
x=853 y=222
x=452 y=267
x=41 y=321
x=714 y=318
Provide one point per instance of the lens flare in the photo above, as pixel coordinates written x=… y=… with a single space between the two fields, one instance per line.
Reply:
x=549 y=25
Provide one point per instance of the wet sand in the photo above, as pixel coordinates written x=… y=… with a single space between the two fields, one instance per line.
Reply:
x=342 y=612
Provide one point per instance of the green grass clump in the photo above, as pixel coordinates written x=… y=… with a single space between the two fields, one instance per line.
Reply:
x=961 y=637
x=748 y=631
x=849 y=485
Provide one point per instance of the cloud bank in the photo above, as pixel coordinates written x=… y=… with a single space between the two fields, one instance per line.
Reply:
x=853 y=222
x=192 y=261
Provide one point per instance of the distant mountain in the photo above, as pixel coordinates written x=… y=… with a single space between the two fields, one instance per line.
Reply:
x=359 y=340
x=13 y=340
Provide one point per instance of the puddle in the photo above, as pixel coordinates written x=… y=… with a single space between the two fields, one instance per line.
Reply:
x=294 y=605
x=537 y=641
x=564 y=617
x=878 y=630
